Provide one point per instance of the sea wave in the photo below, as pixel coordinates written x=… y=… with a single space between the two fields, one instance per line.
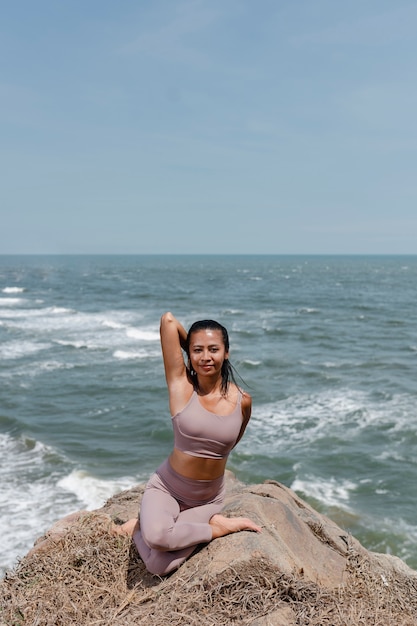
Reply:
x=142 y=334
x=330 y=491
x=13 y=290
x=344 y=414
x=20 y=349
x=92 y=492
x=123 y=355
x=40 y=486
x=11 y=301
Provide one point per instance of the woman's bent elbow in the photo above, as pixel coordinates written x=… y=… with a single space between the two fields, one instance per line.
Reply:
x=167 y=318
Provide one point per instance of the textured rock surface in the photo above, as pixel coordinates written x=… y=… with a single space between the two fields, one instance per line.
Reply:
x=296 y=539
x=302 y=569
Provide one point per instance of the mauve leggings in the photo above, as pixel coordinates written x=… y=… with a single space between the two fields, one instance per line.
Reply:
x=174 y=517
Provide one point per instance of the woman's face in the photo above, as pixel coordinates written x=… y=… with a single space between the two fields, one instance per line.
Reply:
x=207 y=352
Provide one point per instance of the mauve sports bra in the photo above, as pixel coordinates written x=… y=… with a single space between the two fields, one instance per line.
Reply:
x=199 y=432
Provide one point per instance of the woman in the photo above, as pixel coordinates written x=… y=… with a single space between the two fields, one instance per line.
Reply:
x=183 y=499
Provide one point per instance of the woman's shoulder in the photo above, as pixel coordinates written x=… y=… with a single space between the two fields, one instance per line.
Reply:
x=246 y=399
x=242 y=396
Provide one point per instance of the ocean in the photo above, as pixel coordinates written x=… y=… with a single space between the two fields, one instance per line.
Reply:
x=326 y=345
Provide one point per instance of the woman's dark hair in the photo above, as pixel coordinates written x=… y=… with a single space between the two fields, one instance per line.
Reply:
x=227 y=369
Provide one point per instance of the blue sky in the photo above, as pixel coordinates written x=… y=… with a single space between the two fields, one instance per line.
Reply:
x=208 y=126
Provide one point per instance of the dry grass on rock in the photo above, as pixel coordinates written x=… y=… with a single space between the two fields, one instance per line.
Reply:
x=90 y=577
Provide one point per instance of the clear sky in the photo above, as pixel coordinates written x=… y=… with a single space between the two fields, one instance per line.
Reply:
x=208 y=126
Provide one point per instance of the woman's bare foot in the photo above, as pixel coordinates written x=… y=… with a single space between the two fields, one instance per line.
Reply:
x=128 y=528
x=221 y=526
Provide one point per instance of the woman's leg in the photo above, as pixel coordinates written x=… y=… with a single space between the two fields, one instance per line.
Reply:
x=165 y=527
x=157 y=562
x=169 y=532
x=167 y=535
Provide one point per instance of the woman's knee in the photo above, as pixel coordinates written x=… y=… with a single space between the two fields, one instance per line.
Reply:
x=163 y=563
x=157 y=566
x=157 y=537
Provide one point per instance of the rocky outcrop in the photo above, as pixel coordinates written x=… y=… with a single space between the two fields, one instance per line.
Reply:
x=302 y=569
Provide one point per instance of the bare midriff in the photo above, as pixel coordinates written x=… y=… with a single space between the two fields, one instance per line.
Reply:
x=196 y=467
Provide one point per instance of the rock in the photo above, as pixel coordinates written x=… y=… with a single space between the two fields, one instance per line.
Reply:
x=302 y=569
x=296 y=540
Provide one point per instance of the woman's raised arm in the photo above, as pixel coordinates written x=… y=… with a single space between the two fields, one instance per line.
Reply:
x=173 y=341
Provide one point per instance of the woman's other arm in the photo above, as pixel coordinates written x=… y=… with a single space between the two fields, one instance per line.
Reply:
x=246 y=413
x=173 y=341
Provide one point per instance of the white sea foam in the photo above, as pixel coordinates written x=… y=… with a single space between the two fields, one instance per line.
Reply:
x=13 y=289
x=393 y=531
x=38 y=487
x=320 y=430
x=49 y=366
x=330 y=491
x=23 y=370
x=398 y=526
x=251 y=363
x=20 y=349
x=11 y=301
x=73 y=344
x=233 y=312
x=132 y=354
x=79 y=329
x=111 y=333
x=308 y=310
x=390 y=454
x=29 y=502
x=142 y=334
x=92 y=492
x=308 y=417
x=39 y=318
x=59 y=310
x=113 y=324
